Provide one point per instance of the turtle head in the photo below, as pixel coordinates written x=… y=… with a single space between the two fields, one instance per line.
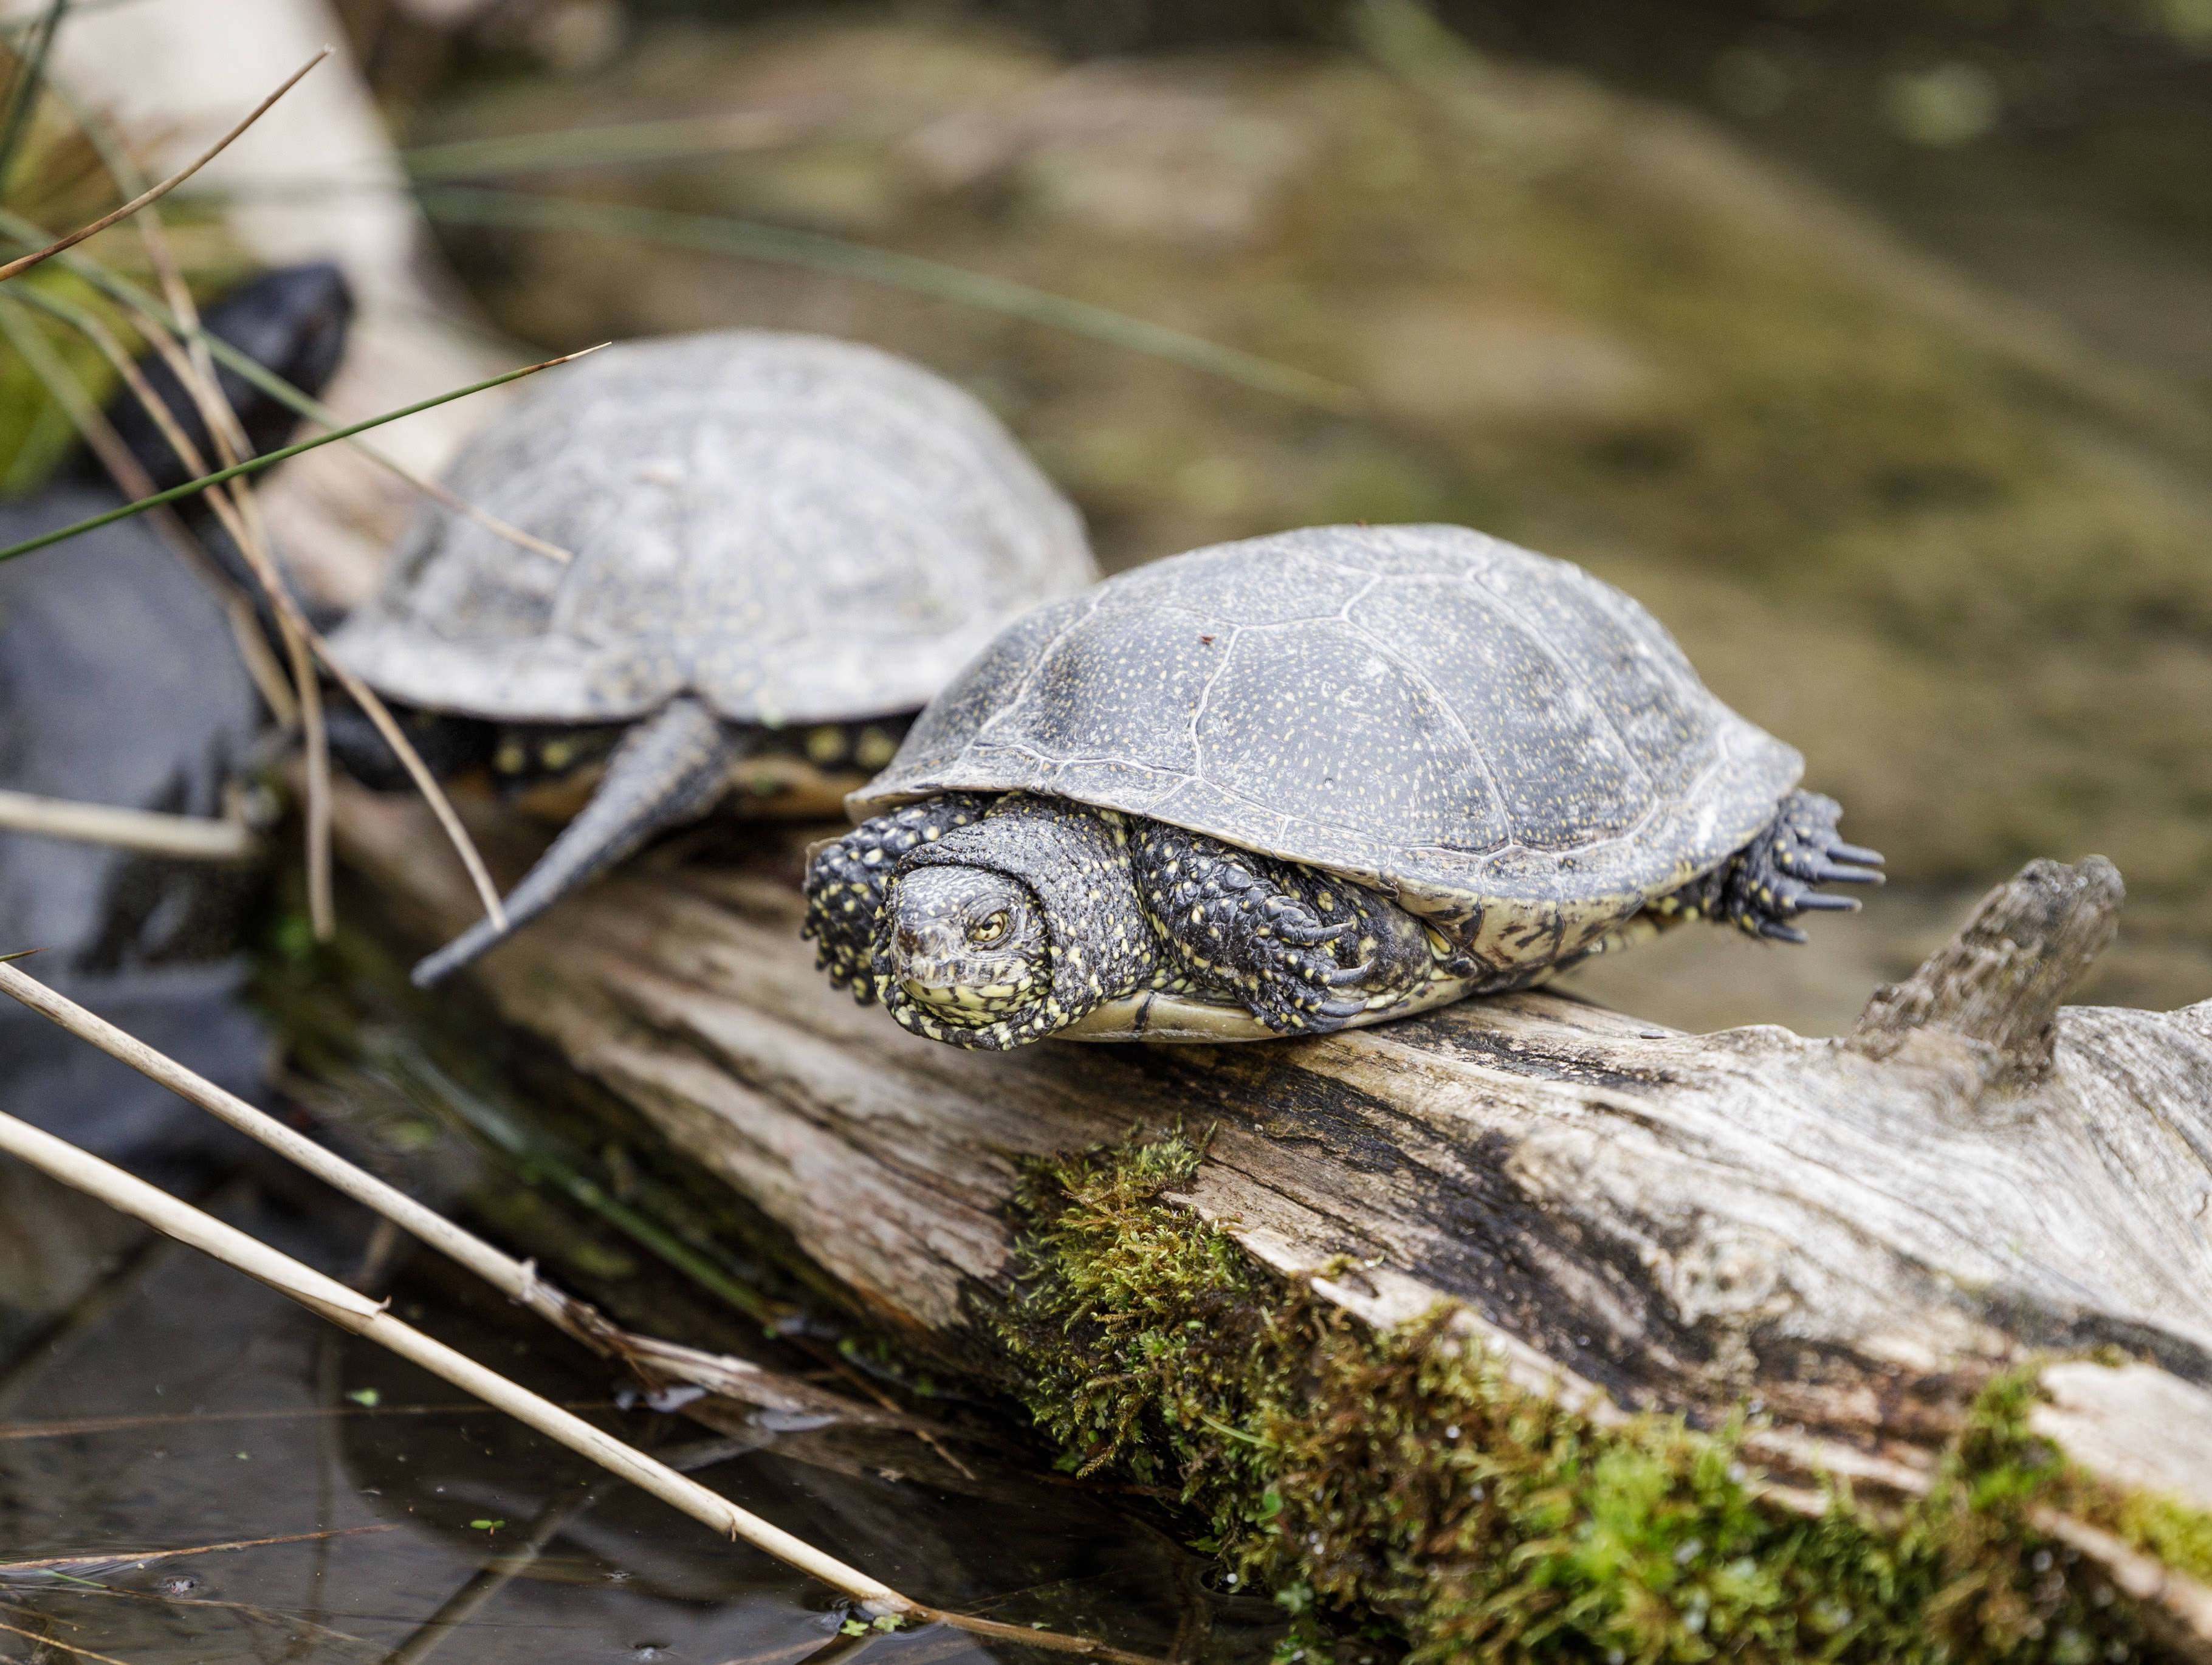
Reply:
x=998 y=927
x=968 y=945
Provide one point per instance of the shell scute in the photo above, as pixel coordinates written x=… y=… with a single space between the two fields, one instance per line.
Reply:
x=1559 y=775
x=793 y=528
x=1357 y=739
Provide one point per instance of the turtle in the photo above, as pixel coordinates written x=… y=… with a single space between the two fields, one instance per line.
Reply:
x=768 y=551
x=1303 y=782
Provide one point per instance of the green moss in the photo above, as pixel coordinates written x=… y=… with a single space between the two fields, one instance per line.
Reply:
x=1403 y=1476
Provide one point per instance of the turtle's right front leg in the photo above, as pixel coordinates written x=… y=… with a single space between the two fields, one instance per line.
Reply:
x=845 y=881
x=1302 y=951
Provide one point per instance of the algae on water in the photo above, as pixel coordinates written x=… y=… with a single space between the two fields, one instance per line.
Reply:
x=1403 y=1479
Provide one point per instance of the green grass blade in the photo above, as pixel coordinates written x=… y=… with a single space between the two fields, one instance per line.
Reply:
x=254 y=464
x=612 y=142
x=23 y=96
x=479 y=205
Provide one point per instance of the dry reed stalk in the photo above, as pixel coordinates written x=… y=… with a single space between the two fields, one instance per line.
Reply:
x=356 y=1314
x=241 y=518
x=658 y=1362
x=134 y=1558
x=150 y=225
x=288 y=610
x=104 y=442
x=24 y=262
x=150 y=832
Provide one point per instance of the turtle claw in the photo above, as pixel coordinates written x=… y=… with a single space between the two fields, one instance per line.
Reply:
x=1813 y=903
x=1855 y=852
x=1831 y=872
x=1287 y=924
x=1775 y=931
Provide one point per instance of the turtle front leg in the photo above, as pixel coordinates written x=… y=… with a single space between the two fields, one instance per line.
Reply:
x=1765 y=885
x=1300 y=949
x=845 y=881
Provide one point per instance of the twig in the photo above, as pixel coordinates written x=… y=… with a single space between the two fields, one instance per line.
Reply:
x=295 y=1622
x=25 y=262
x=269 y=459
x=69 y=1647
x=146 y=305
x=151 y=832
x=132 y=1557
x=657 y=1361
x=239 y=511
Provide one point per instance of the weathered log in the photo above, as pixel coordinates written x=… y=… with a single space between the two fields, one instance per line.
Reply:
x=1854 y=1234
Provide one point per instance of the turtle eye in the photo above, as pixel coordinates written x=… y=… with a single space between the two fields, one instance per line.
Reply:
x=989 y=931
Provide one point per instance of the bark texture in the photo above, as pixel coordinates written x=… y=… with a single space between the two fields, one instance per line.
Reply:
x=1853 y=1233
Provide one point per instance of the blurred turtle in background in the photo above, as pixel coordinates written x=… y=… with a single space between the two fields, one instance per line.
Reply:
x=771 y=552
x=1305 y=783
x=121 y=685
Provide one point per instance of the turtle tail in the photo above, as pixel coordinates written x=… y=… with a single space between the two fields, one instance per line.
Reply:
x=668 y=769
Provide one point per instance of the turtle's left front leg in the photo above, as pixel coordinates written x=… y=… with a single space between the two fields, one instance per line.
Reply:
x=1765 y=885
x=1302 y=951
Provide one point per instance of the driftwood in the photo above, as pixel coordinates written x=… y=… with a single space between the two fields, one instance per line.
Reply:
x=1854 y=1234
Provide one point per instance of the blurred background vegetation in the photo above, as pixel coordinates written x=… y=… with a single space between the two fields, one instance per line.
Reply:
x=1871 y=344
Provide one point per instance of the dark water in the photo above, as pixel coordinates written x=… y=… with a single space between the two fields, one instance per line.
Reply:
x=152 y=1400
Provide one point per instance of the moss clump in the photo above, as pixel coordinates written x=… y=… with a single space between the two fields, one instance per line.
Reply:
x=1403 y=1476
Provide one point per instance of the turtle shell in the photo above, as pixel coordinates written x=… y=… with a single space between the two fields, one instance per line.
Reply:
x=1509 y=746
x=791 y=528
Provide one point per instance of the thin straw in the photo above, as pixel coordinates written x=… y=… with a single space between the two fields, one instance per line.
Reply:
x=25 y=262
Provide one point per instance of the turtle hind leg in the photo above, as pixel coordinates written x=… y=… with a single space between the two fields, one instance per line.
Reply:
x=668 y=769
x=1772 y=879
x=845 y=878
x=1302 y=951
